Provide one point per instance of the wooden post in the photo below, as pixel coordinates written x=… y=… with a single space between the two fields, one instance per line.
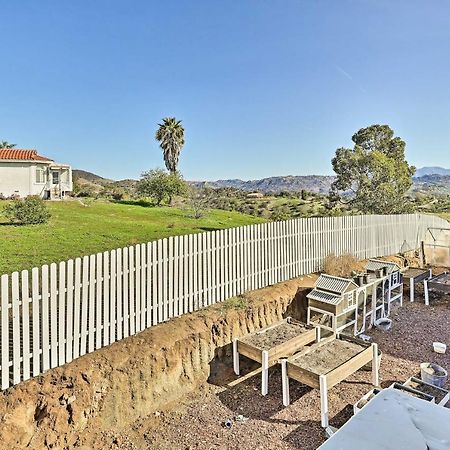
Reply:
x=323 y=400
x=375 y=363
x=411 y=289
x=425 y=291
x=318 y=333
x=265 y=373
x=235 y=357
x=285 y=382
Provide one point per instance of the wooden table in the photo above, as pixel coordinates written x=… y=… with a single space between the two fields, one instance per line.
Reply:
x=257 y=346
x=415 y=275
x=326 y=363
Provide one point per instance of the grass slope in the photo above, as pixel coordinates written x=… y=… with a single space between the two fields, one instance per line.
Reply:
x=77 y=230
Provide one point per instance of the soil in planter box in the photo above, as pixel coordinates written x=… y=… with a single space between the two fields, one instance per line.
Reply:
x=434 y=391
x=275 y=336
x=328 y=356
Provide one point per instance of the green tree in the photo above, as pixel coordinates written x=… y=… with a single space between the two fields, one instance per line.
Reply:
x=5 y=145
x=373 y=176
x=170 y=135
x=161 y=186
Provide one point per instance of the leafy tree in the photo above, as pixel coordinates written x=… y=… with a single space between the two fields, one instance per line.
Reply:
x=280 y=212
x=373 y=176
x=27 y=211
x=170 y=135
x=5 y=145
x=161 y=186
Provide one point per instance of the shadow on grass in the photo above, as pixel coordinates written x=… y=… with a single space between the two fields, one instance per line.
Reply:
x=141 y=202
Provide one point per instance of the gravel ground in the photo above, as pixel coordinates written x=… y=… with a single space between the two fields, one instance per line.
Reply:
x=197 y=423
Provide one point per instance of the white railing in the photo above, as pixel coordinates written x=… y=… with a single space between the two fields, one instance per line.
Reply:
x=54 y=314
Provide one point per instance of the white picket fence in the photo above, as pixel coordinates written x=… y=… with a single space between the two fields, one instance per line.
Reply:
x=54 y=314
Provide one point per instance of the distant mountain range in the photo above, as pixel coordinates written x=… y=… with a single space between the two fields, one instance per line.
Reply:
x=319 y=184
x=427 y=179
x=424 y=171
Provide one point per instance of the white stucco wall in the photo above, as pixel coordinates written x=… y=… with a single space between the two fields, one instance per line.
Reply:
x=19 y=178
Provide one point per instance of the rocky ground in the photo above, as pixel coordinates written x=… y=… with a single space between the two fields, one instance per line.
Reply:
x=198 y=422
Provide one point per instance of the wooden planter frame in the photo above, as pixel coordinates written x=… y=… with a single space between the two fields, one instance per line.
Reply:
x=325 y=381
x=436 y=284
x=268 y=358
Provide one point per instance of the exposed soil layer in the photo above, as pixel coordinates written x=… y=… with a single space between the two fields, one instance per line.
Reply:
x=329 y=356
x=275 y=336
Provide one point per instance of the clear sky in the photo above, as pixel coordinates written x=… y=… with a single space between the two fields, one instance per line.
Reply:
x=264 y=87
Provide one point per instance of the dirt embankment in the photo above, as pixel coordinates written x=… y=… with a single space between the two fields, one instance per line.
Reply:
x=115 y=386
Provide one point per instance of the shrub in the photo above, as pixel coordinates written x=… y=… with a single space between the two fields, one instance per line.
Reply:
x=27 y=211
x=342 y=266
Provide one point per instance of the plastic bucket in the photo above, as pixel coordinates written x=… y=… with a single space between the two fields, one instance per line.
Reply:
x=383 y=324
x=433 y=374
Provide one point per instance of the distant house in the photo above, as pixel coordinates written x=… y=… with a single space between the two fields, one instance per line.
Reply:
x=25 y=172
x=255 y=195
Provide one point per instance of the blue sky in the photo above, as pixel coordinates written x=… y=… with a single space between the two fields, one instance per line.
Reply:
x=264 y=87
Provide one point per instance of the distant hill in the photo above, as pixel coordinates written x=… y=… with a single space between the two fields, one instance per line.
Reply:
x=319 y=184
x=95 y=183
x=432 y=184
x=424 y=171
x=78 y=174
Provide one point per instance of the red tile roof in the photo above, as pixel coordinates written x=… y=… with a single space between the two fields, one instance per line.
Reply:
x=22 y=155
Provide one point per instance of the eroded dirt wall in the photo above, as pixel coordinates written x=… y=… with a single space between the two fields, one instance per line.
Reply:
x=128 y=380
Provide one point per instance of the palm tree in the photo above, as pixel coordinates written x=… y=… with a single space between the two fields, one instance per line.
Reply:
x=170 y=135
x=5 y=145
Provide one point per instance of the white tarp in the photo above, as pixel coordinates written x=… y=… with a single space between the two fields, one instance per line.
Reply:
x=394 y=420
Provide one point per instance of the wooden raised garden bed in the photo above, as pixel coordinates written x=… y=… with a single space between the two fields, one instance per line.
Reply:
x=269 y=344
x=326 y=363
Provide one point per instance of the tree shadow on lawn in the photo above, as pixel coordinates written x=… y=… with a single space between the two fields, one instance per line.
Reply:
x=143 y=203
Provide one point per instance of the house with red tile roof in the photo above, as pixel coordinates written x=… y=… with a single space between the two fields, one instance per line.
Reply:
x=25 y=172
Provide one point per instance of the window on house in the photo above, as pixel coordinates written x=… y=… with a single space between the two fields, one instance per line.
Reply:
x=40 y=175
x=351 y=299
x=55 y=177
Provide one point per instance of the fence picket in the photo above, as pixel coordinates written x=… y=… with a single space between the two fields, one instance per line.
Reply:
x=77 y=308
x=69 y=303
x=25 y=325
x=106 y=299
x=53 y=315
x=84 y=306
x=61 y=316
x=35 y=311
x=112 y=297
x=4 y=293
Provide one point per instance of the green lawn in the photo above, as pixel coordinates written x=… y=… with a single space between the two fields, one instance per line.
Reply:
x=77 y=230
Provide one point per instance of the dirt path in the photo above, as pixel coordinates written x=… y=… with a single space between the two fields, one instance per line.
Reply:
x=197 y=423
